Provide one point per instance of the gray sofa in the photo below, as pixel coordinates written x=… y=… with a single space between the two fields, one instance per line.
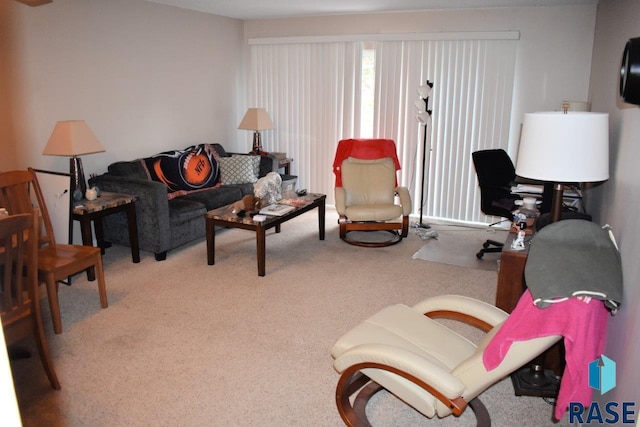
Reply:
x=165 y=223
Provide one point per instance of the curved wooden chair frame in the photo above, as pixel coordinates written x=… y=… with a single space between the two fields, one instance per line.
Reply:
x=353 y=382
x=397 y=230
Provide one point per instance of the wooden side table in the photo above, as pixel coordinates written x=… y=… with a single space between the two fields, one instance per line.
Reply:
x=284 y=162
x=88 y=211
x=511 y=284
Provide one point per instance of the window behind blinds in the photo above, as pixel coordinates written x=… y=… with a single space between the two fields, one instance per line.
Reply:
x=311 y=88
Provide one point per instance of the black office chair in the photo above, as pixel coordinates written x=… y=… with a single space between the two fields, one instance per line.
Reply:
x=496 y=174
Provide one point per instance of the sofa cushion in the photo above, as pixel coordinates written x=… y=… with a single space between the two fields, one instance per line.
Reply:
x=214 y=199
x=132 y=170
x=182 y=171
x=182 y=211
x=239 y=169
x=220 y=150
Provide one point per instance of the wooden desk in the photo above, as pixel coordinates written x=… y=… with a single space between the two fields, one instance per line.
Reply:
x=511 y=283
x=511 y=286
x=87 y=212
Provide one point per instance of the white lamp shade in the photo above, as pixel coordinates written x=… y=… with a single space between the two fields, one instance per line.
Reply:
x=72 y=138
x=424 y=91
x=256 y=119
x=564 y=148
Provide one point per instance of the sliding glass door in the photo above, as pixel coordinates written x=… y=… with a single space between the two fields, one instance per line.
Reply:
x=320 y=91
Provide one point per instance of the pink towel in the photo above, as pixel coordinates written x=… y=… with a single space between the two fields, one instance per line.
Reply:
x=583 y=324
x=365 y=149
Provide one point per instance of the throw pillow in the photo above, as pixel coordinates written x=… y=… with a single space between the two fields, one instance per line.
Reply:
x=239 y=169
x=182 y=171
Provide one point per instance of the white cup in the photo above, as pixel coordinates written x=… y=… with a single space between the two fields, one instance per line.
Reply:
x=529 y=202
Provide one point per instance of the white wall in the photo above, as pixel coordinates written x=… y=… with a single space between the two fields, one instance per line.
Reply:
x=554 y=51
x=146 y=77
x=616 y=201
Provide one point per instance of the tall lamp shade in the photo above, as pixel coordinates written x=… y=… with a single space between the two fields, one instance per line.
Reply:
x=564 y=147
x=73 y=138
x=256 y=119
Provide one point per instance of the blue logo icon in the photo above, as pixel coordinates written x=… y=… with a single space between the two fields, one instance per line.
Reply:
x=602 y=374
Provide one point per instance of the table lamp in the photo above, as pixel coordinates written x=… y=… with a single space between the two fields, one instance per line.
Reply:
x=564 y=147
x=73 y=138
x=256 y=119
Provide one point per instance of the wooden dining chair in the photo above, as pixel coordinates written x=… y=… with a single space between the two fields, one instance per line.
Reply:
x=19 y=191
x=19 y=301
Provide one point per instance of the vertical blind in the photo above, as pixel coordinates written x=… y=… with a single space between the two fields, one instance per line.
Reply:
x=471 y=103
x=312 y=91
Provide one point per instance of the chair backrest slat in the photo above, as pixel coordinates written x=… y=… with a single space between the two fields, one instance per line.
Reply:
x=20 y=193
x=18 y=236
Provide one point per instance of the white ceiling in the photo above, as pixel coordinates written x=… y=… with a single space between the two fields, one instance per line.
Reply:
x=261 y=9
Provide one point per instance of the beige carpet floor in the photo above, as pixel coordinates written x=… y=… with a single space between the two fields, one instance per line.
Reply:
x=186 y=344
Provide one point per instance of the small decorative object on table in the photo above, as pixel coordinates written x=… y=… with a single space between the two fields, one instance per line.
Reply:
x=268 y=188
x=276 y=210
x=518 y=243
x=91 y=194
x=248 y=205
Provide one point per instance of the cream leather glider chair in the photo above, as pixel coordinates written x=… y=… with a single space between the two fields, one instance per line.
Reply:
x=368 y=197
x=369 y=200
x=422 y=362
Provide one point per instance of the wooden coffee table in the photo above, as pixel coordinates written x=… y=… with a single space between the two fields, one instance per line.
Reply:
x=224 y=217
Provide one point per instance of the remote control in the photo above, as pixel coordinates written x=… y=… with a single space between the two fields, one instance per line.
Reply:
x=301 y=192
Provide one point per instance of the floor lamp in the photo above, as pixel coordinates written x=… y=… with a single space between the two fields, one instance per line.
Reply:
x=423 y=117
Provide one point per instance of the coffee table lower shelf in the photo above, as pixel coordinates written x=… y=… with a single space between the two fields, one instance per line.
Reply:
x=224 y=217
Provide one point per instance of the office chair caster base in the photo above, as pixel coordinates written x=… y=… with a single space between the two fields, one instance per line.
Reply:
x=487 y=249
